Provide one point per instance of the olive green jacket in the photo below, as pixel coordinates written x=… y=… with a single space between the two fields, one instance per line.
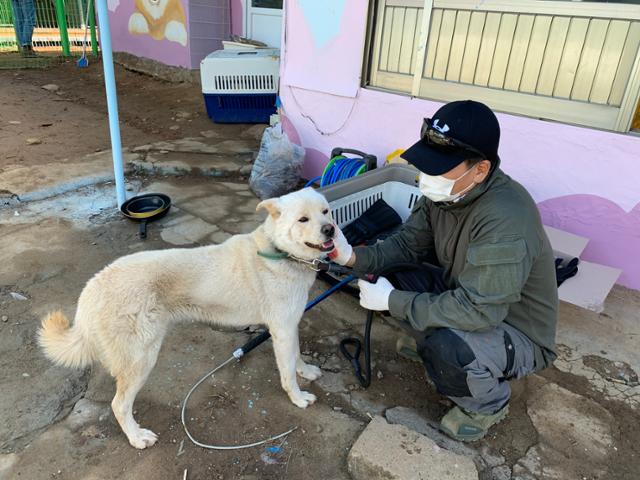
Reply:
x=497 y=262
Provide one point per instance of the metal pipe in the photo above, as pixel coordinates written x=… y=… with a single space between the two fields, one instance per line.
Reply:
x=112 y=99
x=92 y=25
x=62 y=28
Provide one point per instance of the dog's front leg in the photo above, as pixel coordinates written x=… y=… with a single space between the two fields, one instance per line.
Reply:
x=287 y=350
x=305 y=370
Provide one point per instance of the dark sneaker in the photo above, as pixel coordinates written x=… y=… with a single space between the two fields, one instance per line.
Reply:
x=470 y=426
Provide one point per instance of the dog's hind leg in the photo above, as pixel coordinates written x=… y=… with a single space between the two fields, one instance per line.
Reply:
x=129 y=381
x=287 y=350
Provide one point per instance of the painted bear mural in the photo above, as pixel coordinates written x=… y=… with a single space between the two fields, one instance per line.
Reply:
x=160 y=19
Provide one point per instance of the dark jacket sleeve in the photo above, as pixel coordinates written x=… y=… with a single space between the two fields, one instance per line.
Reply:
x=496 y=269
x=412 y=243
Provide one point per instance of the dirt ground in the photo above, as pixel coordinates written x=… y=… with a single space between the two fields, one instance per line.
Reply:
x=56 y=423
x=72 y=121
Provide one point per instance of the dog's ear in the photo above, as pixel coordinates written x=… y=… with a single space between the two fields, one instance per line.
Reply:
x=272 y=205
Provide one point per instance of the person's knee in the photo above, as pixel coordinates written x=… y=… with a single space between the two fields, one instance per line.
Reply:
x=445 y=356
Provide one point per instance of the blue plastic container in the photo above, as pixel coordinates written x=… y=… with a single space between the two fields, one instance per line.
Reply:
x=240 y=108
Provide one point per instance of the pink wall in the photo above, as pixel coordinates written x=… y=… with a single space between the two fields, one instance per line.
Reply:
x=237 y=15
x=585 y=181
x=166 y=51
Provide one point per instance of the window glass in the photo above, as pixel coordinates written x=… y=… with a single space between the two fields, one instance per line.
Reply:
x=267 y=4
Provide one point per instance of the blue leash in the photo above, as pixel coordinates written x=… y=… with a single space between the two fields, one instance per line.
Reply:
x=258 y=339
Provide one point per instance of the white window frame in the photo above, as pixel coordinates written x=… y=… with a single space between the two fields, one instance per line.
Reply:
x=585 y=113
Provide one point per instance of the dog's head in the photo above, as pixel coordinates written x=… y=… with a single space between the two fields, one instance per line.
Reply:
x=300 y=223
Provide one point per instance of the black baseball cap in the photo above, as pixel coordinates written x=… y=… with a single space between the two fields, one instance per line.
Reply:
x=467 y=121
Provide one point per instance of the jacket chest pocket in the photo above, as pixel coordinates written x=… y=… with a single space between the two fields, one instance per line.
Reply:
x=498 y=267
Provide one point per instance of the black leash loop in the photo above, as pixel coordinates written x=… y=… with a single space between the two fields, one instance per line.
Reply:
x=354 y=358
x=364 y=380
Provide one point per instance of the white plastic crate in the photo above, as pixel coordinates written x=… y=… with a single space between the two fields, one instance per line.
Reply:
x=395 y=184
x=399 y=196
x=240 y=71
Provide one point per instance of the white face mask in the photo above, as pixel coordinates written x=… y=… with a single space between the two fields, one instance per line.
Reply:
x=438 y=188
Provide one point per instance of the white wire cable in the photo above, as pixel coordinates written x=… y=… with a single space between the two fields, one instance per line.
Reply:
x=236 y=355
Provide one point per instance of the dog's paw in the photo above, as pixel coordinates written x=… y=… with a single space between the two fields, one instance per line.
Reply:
x=310 y=372
x=143 y=438
x=304 y=399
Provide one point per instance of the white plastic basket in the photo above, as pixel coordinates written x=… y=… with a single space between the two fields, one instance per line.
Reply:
x=395 y=184
x=240 y=71
x=399 y=196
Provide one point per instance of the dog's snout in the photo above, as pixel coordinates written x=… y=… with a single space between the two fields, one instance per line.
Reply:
x=329 y=230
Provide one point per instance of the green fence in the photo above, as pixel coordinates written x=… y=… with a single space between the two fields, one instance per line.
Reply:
x=60 y=27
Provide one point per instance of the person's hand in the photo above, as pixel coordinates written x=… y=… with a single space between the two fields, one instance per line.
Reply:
x=375 y=296
x=342 y=251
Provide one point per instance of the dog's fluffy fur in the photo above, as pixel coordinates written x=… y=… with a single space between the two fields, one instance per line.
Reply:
x=126 y=309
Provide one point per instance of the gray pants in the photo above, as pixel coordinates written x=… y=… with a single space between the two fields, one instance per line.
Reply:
x=472 y=368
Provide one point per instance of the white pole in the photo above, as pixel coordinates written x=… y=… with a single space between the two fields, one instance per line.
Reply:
x=112 y=99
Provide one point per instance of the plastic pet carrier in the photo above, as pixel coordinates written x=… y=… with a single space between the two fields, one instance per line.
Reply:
x=240 y=86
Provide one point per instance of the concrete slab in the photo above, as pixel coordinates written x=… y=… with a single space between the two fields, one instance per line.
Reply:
x=214 y=202
x=181 y=228
x=590 y=287
x=575 y=435
x=417 y=422
x=566 y=243
x=30 y=183
x=396 y=453
x=6 y=462
x=178 y=163
x=587 y=339
x=203 y=145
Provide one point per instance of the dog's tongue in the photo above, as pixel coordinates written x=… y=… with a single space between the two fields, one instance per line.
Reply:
x=327 y=245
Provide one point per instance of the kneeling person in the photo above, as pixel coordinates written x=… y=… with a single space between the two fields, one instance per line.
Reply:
x=486 y=308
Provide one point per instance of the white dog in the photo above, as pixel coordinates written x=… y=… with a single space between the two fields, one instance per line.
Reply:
x=125 y=310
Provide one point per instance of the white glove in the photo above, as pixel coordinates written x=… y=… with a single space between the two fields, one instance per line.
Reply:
x=342 y=251
x=375 y=296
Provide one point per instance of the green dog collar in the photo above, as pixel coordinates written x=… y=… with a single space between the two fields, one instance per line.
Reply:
x=274 y=256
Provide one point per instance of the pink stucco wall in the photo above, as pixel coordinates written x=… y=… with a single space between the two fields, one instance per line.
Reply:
x=585 y=181
x=165 y=51
x=237 y=15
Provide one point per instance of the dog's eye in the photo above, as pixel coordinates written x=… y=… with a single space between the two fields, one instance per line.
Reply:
x=325 y=211
x=303 y=219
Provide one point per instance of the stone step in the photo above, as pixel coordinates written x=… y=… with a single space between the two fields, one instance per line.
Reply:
x=189 y=163
x=394 y=452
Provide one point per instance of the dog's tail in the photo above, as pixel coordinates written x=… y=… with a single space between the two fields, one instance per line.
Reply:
x=63 y=345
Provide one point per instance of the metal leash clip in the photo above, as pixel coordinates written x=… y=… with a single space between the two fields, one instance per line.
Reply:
x=316 y=264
